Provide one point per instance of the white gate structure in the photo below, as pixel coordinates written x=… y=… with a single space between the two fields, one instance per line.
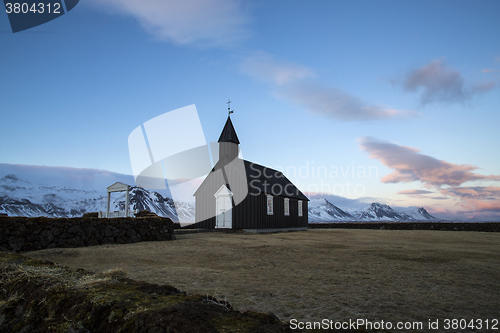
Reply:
x=118 y=187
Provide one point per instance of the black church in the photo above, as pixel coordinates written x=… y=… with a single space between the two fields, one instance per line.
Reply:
x=239 y=194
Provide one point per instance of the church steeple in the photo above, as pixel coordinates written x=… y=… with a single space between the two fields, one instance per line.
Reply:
x=228 y=141
x=228 y=133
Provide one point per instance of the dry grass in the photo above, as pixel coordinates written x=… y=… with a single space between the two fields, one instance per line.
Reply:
x=337 y=274
x=54 y=277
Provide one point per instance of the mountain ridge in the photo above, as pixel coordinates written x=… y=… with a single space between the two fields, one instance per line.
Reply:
x=19 y=197
x=324 y=211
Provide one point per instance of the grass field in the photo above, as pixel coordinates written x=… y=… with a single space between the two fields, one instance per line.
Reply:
x=390 y=275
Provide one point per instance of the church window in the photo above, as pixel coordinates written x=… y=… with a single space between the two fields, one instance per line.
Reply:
x=269 y=205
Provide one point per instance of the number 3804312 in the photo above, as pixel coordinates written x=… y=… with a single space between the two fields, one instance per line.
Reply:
x=36 y=8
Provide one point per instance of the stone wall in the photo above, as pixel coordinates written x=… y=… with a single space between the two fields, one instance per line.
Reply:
x=448 y=226
x=30 y=234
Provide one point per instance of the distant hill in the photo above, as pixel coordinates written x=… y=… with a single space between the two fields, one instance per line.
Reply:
x=322 y=211
x=19 y=197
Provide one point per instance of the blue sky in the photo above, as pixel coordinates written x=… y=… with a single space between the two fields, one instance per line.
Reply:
x=405 y=93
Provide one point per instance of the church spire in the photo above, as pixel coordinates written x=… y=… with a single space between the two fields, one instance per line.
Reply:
x=228 y=141
x=228 y=133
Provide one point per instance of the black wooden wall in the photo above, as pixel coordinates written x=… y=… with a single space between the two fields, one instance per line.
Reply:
x=251 y=213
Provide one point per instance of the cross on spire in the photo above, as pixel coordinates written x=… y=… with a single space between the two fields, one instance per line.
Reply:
x=229 y=107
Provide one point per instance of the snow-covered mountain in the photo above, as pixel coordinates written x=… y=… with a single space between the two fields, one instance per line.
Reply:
x=420 y=214
x=142 y=199
x=321 y=210
x=19 y=197
x=380 y=212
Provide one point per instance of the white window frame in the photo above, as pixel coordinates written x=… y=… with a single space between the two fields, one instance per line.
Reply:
x=287 y=206
x=270 y=205
x=300 y=207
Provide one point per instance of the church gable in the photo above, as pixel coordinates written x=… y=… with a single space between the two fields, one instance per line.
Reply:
x=223 y=191
x=118 y=187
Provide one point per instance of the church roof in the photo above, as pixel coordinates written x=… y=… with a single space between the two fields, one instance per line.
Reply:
x=269 y=181
x=261 y=179
x=228 y=133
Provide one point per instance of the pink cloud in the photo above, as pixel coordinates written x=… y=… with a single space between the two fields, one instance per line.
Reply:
x=473 y=192
x=479 y=212
x=437 y=82
x=478 y=206
x=410 y=165
x=489 y=70
x=410 y=192
x=421 y=194
x=416 y=194
x=477 y=199
x=439 y=210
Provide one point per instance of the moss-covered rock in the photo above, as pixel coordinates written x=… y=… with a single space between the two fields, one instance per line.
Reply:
x=40 y=296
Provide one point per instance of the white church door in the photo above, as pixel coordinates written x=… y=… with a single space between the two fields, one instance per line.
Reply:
x=223 y=202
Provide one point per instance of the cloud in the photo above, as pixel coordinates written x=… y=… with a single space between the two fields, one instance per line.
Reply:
x=489 y=70
x=484 y=86
x=438 y=82
x=478 y=206
x=81 y=178
x=296 y=84
x=410 y=165
x=477 y=199
x=265 y=67
x=465 y=215
x=201 y=22
x=473 y=192
x=414 y=192
x=335 y=103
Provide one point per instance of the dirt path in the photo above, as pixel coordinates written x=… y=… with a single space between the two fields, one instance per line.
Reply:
x=337 y=274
